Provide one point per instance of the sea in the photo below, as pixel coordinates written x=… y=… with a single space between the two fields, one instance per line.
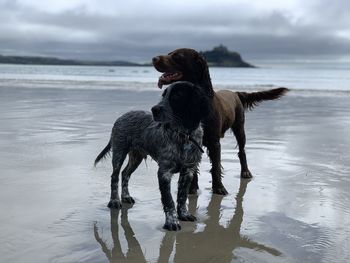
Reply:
x=304 y=76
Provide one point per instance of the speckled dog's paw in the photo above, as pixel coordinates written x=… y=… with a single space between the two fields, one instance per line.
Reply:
x=171 y=222
x=172 y=226
x=113 y=203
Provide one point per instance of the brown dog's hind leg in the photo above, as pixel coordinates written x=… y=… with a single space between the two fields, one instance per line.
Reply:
x=238 y=130
x=214 y=149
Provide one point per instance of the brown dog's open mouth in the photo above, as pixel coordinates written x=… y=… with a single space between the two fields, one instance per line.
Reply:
x=168 y=78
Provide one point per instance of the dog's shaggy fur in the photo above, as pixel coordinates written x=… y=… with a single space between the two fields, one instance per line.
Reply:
x=173 y=138
x=227 y=107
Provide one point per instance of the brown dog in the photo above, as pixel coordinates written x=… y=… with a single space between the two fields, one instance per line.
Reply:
x=227 y=108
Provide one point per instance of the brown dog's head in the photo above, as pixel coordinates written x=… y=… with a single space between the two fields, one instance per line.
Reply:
x=183 y=64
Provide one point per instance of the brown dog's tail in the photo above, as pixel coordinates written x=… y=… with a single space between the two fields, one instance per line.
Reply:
x=103 y=153
x=250 y=100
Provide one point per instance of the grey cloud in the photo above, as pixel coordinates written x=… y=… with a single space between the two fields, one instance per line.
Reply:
x=137 y=34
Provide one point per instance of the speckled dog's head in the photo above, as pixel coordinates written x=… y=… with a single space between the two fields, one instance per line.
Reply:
x=183 y=105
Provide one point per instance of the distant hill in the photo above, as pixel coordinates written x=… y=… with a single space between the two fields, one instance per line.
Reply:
x=57 y=61
x=220 y=56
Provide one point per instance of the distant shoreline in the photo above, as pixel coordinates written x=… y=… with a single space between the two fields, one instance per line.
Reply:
x=49 y=61
x=31 y=60
x=217 y=57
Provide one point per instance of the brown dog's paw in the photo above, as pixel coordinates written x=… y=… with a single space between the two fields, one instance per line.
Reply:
x=193 y=191
x=128 y=200
x=220 y=190
x=115 y=204
x=194 y=187
x=187 y=217
x=246 y=174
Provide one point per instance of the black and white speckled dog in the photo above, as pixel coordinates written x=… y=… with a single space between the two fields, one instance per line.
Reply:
x=173 y=138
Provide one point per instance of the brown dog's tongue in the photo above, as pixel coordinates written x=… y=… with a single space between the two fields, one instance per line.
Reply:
x=160 y=83
x=164 y=80
x=167 y=78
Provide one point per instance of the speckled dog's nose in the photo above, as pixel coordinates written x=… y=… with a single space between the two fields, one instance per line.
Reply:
x=156 y=110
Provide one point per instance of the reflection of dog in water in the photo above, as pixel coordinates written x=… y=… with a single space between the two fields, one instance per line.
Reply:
x=215 y=241
x=116 y=254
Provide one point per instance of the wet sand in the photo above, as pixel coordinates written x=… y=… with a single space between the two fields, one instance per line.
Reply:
x=53 y=202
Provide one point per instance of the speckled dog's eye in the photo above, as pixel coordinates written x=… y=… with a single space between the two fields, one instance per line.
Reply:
x=176 y=96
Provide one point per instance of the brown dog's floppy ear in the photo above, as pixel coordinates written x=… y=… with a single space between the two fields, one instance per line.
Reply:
x=205 y=107
x=202 y=63
x=203 y=101
x=203 y=74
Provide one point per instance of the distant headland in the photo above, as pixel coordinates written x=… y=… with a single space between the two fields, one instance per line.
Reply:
x=219 y=56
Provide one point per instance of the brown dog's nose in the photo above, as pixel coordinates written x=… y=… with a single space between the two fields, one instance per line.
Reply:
x=155 y=59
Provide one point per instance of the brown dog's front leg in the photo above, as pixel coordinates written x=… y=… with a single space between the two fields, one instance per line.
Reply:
x=245 y=173
x=214 y=149
x=194 y=184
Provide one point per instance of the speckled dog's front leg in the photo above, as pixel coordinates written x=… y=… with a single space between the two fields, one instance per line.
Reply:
x=185 y=180
x=171 y=221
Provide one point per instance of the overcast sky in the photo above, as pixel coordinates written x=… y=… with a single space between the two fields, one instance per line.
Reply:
x=136 y=30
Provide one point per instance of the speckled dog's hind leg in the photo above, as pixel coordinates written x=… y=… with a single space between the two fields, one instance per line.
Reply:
x=117 y=162
x=135 y=158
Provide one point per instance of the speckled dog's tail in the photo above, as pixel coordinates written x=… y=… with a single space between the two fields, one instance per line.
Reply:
x=103 y=153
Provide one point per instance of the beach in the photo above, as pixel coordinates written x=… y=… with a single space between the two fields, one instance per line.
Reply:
x=54 y=201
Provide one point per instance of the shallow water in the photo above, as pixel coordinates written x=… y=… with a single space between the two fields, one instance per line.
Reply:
x=53 y=202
